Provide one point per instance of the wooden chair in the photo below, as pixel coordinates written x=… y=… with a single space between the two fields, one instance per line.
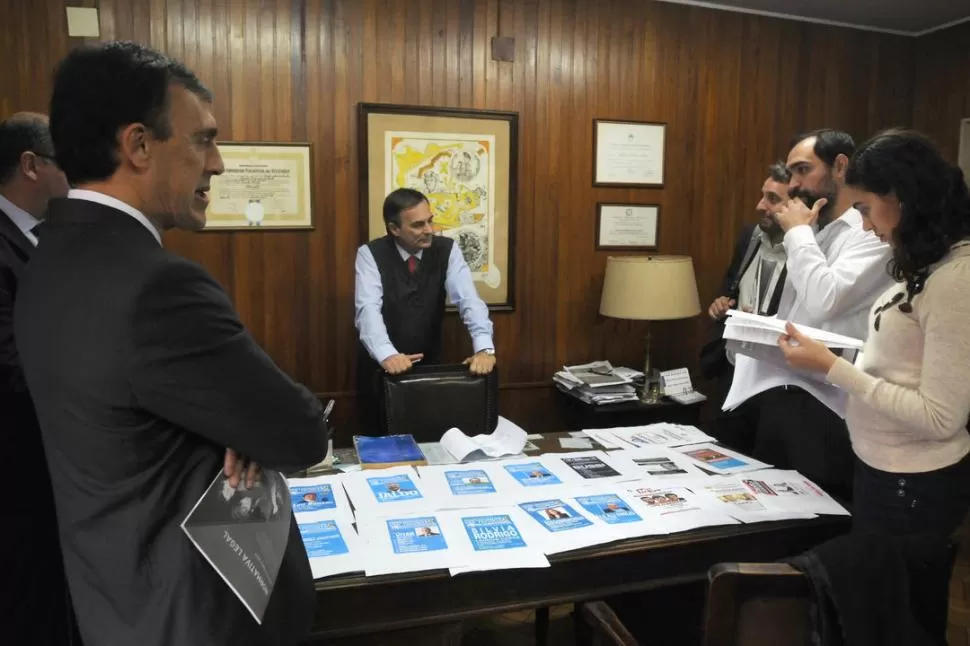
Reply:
x=748 y=604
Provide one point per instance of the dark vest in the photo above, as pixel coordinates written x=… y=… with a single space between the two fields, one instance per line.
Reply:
x=413 y=305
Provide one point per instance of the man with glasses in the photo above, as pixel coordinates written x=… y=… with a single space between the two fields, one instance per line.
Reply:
x=35 y=610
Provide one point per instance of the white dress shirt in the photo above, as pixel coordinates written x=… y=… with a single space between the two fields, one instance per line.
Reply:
x=833 y=279
x=23 y=220
x=107 y=200
x=369 y=300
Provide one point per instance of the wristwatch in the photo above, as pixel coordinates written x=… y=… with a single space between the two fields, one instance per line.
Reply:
x=489 y=351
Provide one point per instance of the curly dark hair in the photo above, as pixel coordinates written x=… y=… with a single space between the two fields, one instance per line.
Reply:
x=933 y=199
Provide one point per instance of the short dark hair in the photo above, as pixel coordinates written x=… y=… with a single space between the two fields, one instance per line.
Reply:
x=829 y=144
x=933 y=198
x=401 y=200
x=779 y=172
x=102 y=88
x=23 y=132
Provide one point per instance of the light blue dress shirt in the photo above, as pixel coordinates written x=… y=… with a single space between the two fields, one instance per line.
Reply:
x=23 y=220
x=369 y=299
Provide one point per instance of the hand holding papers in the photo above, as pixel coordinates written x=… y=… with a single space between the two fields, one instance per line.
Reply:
x=507 y=439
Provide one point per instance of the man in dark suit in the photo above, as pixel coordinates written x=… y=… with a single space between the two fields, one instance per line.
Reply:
x=35 y=608
x=142 y=374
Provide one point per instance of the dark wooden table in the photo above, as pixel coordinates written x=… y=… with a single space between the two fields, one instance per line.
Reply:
x=428 y=607
x=579 y=415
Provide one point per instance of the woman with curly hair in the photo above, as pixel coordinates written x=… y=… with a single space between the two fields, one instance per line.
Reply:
x=910 y=394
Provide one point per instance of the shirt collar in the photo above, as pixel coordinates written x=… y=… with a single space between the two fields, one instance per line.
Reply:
x=24 y=221
x=107 y=200
x=405 y=254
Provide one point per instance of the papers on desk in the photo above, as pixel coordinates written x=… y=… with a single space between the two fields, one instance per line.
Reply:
x=662 y=434
x=506 y=439
x=673 y=508
x=720 y=460
x=499 y=538
x=465 y=486
x=791 y=490
x=380 y=492
x=660 y=462
x=730 y=496
x=614 y=510
x=598 y=382
x=587 y=468
x=332 y=544
x=564 y=527
x=323 y=496
x=411 y=543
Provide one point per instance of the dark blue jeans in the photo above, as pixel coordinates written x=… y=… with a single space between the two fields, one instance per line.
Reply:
x=897 y=504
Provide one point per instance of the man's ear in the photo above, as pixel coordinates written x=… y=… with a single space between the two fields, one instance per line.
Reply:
x=28 y=164
x=840 y=166
x=393 y=229
x=135 y=145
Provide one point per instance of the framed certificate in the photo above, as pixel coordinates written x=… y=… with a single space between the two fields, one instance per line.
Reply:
x=265 y=186
x=627 y=226
x=628 y=153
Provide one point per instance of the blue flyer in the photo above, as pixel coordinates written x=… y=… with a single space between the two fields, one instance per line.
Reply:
x=393 y=488
x=532 y=474
x=492 y=532
x=312 y=498
x=411 y=535
x=323 y=538
x=468 y=482
x=555 y=515
x=610 y=508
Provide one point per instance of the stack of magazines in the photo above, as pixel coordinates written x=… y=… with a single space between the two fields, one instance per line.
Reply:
x=598 y=382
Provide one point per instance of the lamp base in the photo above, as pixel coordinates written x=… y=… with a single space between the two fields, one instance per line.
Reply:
x=650 y=393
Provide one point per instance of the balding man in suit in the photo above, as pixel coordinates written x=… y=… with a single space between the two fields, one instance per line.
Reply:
x=35 y=608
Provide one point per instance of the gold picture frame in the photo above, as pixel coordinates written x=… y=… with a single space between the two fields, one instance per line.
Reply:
x=465 y=162
x=265 y=186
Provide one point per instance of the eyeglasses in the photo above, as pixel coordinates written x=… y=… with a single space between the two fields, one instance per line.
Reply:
x=50 y=158
x=906 y=308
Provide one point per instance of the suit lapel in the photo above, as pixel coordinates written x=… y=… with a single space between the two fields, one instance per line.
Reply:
x=14 y=235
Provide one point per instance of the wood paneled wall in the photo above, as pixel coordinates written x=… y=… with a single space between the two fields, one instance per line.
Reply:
x=942 y=88
x=732 y=88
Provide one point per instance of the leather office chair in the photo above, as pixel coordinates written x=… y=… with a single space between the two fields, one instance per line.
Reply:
x=428 y=400
x=748 y=604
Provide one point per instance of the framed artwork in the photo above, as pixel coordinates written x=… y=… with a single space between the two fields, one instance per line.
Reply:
x=265 y=186
x=464 y=161
x=628 y=227
x=964 y=149
x=629 y=153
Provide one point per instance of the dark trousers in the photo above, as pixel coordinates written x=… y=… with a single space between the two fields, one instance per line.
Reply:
x=899 y=504
x=789 y=428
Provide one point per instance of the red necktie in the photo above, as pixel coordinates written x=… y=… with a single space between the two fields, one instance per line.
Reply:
x=412 y=264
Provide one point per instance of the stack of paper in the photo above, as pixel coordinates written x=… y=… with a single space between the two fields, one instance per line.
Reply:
x=662 y=434
x=325 y=520
x=597 y=382
x=507 y=439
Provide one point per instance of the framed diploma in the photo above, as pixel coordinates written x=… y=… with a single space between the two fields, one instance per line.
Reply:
x=628 y=153
x=627 y=226
x=265 y=186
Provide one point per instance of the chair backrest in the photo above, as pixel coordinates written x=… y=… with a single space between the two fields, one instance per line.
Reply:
x=751 y=604
x=428 y=400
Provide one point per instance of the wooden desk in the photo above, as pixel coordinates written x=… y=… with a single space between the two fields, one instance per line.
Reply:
x=425 y=603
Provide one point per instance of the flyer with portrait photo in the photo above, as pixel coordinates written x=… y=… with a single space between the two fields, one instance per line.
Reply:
x=499 y=538
x=621 y=515
x=411 y=543
x=332 y=544
x=720 y=460
x=459 y=486
x=564 y=526
x=382 y=492
x=320 y=494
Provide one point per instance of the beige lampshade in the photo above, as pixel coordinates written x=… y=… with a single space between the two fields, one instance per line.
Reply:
x=650 y=288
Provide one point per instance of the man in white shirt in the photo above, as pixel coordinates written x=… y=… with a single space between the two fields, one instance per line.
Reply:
x=835 y=272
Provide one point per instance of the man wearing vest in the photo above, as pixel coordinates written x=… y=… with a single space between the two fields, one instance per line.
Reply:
x=401 y=283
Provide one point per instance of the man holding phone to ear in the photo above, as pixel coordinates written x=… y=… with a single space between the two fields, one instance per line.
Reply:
x=401 y=283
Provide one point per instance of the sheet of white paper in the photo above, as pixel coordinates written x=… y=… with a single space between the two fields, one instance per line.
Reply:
x=673 y=508
x=744 y=326
x=610 y=506
x=662 y=463
x=586 y=468
x=323 y=496
x=565 y=527
x=534 y=436
x=465 y=486
x=530 y=477
x=506 y=439
x=332 y=544
x=604 y=438
x=662 y=434
x=721 y=460
x=790 y=490
x=675 y=382
x=578 y=434
x=380 y=492
x=434 y=453
x=731 y=497
x=411 y=543
x=575 y=443
x=498 y=538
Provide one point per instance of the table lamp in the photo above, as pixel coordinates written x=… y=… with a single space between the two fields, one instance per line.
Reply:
x=649 y=288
